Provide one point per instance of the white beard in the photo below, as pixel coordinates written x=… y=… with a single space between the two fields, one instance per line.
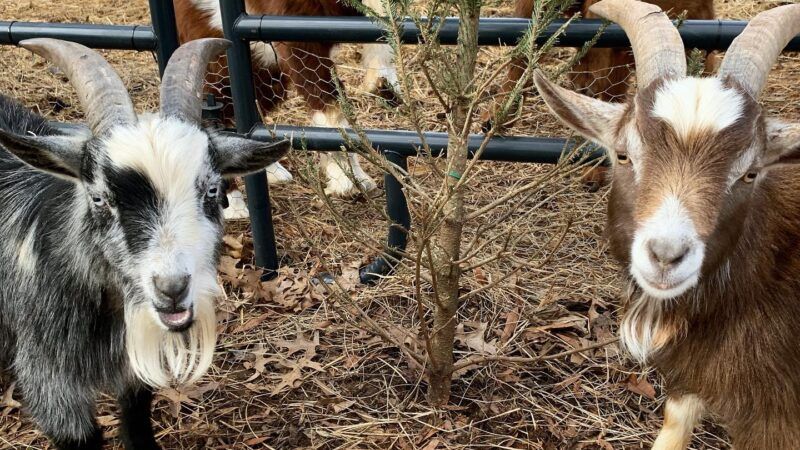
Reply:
x=159 y=357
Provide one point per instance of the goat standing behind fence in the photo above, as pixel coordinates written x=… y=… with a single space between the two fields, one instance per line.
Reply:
x=704 y=213
x=110 y=244
x=603 y=73
x=306 y=65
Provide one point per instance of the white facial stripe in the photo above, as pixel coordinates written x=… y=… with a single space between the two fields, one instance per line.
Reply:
x=691 y=105
x=671 y=227
x=170 y=152
x=173 y=155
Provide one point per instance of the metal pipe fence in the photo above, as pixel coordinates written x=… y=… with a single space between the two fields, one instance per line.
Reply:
x=702 y=34
x=397 y=145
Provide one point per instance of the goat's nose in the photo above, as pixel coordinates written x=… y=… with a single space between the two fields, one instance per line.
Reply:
x=667 y=253
x=172 y=287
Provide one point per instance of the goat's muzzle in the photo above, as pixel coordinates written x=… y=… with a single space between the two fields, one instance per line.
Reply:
x=171 y=305
x=667 y=253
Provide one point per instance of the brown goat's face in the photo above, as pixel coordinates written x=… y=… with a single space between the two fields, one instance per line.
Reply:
x=689 y=148
x=688 y=154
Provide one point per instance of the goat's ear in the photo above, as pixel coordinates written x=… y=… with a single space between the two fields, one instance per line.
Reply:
x=238 y=156
x=783 y=144
x=593 y=119
x=58 y=155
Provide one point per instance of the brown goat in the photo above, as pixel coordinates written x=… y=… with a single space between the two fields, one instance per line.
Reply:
x=306 y=65
x=704 y=214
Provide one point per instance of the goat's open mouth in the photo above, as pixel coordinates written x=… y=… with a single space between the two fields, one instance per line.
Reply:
x=177 y=320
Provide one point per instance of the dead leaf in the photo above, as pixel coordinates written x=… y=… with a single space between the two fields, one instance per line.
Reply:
x=235 y=243
x=475 y=339
x=341 y=406
x=185 y=394
x=565 y=322
x=252 y=323
x=480 y=276
x=256 y=440
x=252 y=284
x=291 y=380
x=641 y=387
x=350 y=278
x=512 y=319
x=197 y=391
x=604 y=444
x=301 y=343
x=107 y=421
x=230 y=273
x=175 y=398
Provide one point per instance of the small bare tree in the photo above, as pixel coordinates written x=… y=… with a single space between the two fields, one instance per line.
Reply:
x=439 y=253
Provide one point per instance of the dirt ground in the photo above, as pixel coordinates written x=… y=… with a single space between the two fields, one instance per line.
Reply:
x=295 y=369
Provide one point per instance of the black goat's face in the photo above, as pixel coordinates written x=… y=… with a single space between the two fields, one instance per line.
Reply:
x=152 y=192
x=151 y=195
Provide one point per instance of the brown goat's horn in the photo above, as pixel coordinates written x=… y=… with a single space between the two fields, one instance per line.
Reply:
x=101 y=92
x=657 y=45
x=182 y=84
x=753 y=53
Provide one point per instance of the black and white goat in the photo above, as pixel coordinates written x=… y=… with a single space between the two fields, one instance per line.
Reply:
x=109 y=244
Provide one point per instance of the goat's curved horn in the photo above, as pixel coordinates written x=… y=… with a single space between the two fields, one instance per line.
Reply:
x=657 y=45
x=101 y=92
x=182 y=83
x=753 y=53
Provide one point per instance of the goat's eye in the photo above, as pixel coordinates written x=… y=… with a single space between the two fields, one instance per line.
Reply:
x=212 y=191
x=98 y=201
x=623 y=158
x=749 y=177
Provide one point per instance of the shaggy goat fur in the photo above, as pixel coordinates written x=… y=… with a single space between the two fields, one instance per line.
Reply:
x=704 y=215
x=109 y=250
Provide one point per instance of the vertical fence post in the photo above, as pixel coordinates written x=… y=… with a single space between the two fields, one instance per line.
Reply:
x=397 y=210
x=162 y=14
x=244 y=107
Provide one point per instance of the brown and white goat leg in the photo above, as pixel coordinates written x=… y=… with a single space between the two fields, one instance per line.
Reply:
x=313 y=77
x=194 y=23
x=681 y=415
x=380 y=74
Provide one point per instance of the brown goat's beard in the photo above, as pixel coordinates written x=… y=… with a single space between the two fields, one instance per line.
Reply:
x=644 y=329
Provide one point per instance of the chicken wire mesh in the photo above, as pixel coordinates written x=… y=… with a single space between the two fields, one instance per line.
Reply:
x=292 y=83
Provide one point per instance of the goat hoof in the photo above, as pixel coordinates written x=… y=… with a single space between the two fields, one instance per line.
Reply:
x=367 y=183
x=343 y=187
x=277 y=174
x=237 y=207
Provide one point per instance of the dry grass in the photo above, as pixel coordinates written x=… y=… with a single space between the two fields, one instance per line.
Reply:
x=296 y=370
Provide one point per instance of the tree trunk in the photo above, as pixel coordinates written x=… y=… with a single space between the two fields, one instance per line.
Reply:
x=447 y=243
